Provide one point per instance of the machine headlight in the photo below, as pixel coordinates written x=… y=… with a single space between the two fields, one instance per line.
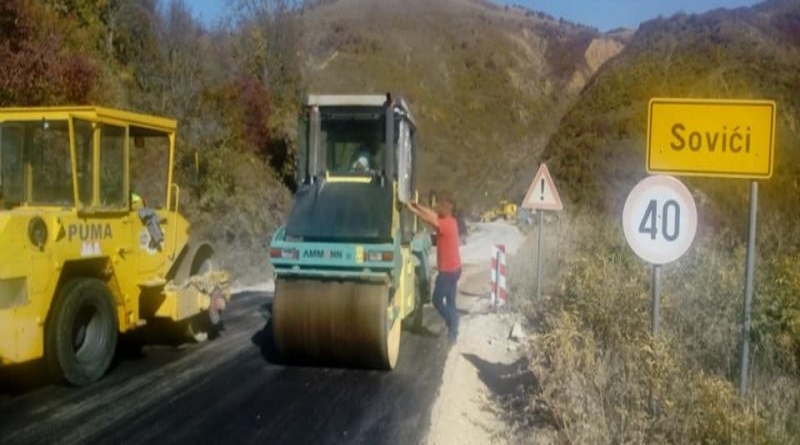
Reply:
x=37 y=232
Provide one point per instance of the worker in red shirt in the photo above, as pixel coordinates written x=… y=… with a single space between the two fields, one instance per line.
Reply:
x=448 y=259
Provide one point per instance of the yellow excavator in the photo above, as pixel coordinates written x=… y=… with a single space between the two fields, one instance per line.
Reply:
x=350 y=262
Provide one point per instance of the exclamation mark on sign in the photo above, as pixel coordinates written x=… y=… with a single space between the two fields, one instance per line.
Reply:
x=541 y=198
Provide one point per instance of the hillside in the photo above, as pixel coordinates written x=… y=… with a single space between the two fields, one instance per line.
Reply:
x=597 y=153
x=488 y=84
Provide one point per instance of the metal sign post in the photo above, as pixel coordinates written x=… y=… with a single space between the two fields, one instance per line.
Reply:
x=655 y=314
x=539 y=257
x=656 y=307
x=748 y=289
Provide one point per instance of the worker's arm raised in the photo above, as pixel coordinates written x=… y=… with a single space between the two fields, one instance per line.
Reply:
x=426 y=214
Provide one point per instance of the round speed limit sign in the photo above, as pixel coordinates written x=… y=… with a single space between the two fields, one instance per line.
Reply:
x=659 y=219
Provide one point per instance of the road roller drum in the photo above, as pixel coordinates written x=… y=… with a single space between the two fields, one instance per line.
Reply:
x=338 y=323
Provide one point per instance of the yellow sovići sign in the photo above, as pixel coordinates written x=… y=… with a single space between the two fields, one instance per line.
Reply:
x=710 y=137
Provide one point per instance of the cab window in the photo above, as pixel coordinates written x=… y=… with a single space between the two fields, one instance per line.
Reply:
x=112 y=166
x=84 y=141
x=354 y=143
x=149 y=166
x=12 y=190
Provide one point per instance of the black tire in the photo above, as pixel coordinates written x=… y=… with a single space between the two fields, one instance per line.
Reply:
x=82 y=331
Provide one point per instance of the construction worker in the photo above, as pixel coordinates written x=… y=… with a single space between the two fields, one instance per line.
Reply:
x=362 y=162
x=136 y=201
x=448 y=259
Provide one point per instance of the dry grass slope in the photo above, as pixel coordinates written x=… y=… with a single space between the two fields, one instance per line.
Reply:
x=597 y=364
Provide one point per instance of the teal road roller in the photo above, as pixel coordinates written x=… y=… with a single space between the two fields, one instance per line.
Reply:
x=351 y=262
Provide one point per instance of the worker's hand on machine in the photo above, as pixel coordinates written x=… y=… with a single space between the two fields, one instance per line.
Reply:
x=414 y=207
x=426 y=214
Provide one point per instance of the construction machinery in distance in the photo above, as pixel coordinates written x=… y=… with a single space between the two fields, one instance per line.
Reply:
x=504 y=209
x=350 y=262
x=93 y=244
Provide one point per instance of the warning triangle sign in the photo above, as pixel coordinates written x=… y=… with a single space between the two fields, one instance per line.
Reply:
x=542 y=194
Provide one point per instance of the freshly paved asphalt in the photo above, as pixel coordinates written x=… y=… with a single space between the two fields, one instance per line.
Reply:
x=230 y=390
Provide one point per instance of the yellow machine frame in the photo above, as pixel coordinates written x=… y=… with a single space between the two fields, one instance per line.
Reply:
x=45 y=247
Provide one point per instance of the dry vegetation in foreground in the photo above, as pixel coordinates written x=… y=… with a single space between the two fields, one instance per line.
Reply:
x=597 y=364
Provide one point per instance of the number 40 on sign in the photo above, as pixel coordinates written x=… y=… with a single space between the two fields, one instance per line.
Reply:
x=670 y=217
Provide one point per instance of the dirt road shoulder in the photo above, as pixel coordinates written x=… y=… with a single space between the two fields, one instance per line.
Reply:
x=482 y=369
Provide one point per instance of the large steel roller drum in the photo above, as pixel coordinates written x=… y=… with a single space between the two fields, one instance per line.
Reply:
x=336 y=323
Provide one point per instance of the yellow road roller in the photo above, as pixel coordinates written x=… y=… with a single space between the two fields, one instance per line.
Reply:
x=92 y=241
x=350 y=262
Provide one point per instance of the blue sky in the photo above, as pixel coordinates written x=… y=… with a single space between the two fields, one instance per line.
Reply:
x=610 y=14
x=602 y=14
x=208 y=10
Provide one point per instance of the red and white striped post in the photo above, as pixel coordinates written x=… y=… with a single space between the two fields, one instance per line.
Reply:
x=498 y=275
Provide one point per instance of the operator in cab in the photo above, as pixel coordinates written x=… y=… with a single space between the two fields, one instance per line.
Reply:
x=136 y=202
x=448 y=259
x=363 y=161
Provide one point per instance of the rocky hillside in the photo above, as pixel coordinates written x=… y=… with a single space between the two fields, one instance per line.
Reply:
x=488 y=84
x=597 y=153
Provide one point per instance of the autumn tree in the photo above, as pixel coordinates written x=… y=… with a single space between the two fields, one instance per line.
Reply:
x=36 y=68
x=267 y=49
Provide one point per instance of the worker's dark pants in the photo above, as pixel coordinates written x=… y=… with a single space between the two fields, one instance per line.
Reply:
x=444 y=299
